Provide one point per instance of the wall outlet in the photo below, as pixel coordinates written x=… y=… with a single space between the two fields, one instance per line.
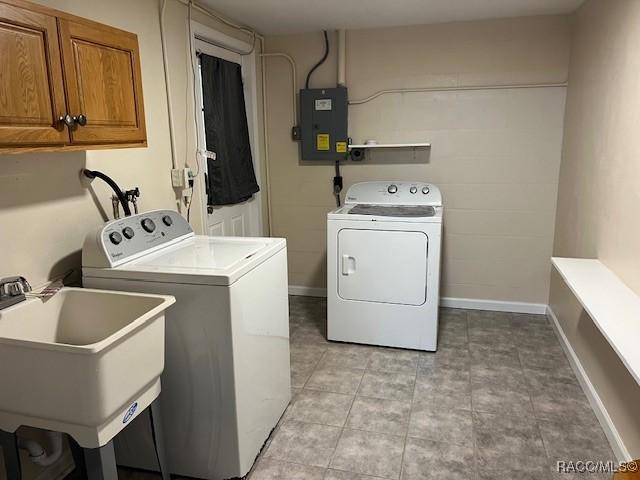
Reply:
x=180 y=177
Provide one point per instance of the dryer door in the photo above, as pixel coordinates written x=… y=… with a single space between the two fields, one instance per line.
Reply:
x=386 y=266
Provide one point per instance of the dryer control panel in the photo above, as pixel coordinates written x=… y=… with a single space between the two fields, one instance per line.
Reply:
x=394 y=193
x=127 y=238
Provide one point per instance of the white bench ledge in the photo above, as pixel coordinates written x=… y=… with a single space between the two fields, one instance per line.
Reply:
x=613 y=307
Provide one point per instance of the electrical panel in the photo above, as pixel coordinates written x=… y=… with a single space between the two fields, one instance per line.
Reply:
x=323 y=124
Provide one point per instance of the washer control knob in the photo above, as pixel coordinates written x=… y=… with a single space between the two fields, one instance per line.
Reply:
x=148 y=225
x=128 y=233
x=425 y=190
x=115 y=238
x=167 y=220
x=413 y=189
x=392 y=188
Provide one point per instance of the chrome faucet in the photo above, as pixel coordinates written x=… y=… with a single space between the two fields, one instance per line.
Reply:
x=12 y=291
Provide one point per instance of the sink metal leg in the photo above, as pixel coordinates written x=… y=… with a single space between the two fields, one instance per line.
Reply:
x=100 y=463
x=9 y=443
x=94 y=463
x=158 y=438
x=78 y=459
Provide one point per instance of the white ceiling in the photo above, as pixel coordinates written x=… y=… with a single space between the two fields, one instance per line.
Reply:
x=294 y=16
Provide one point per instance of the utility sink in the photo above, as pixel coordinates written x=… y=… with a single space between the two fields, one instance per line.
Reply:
x=84 y=361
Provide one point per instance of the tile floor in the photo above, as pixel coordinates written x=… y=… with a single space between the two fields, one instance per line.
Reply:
x=498 y=400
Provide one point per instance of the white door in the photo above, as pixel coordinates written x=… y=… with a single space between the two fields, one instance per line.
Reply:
x=242 y=219
x=386 y=266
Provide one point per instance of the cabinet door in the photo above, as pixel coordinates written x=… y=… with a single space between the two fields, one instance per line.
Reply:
x=31 y=87
x=103 y=80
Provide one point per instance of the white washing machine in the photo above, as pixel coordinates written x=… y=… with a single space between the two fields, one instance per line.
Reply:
x=383 y=265
x=226 y=378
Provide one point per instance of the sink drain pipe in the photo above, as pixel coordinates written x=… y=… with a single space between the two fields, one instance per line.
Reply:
x=37 y=453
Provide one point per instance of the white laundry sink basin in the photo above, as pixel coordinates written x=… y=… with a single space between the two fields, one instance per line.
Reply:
x=84 y=362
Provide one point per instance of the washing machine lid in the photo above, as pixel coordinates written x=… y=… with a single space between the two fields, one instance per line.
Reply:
x=160 y=246
x=199 y=260
x=200 y=254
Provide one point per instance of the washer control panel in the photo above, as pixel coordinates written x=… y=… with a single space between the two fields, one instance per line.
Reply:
x=394 y=193
x=128 y=237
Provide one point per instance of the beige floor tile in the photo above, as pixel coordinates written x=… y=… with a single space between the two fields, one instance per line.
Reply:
x=335 y=379
x=320 y=407
x=304 y=443
x=387 y=385
x=369 y=453
x=379 y=415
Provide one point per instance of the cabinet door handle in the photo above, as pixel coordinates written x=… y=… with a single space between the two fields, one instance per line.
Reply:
x=68 y=120
x=80 y=120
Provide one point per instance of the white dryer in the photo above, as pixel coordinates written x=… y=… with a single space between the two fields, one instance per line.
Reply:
x=383 y=265
x=226 y=380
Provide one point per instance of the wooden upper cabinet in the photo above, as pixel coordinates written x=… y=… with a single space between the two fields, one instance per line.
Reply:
x=58 y=67
x=102 y=74
x=31 y=87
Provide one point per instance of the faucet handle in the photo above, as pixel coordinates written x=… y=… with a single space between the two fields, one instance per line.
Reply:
x=14 y=286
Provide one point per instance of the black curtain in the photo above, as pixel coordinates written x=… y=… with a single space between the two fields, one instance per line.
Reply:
x=231 y=178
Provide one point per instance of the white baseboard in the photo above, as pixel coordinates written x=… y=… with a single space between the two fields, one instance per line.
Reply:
x=617 y=445
x=300 y=291
x=493 y=305
x=465 y=303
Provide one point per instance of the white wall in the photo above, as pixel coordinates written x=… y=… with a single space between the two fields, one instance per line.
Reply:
x=495 y=153
x=599 y=198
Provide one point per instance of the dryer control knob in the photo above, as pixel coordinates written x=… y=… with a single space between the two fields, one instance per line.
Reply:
x=392 y=189
x=167 y=220
x=148 y=225
x=413 y=189
x=425 y=190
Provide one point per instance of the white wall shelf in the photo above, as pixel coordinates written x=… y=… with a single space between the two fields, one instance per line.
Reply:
x=390 y=145
x=613 y=307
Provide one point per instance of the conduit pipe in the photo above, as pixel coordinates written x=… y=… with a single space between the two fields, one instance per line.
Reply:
x=224 y=20
x=342 y=57
x=455 y=89
x=294 y=77
x=37 y=453
x=267 y=169
x=167 y=82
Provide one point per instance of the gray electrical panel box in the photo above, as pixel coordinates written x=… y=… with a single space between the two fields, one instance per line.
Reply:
x=323 y=123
